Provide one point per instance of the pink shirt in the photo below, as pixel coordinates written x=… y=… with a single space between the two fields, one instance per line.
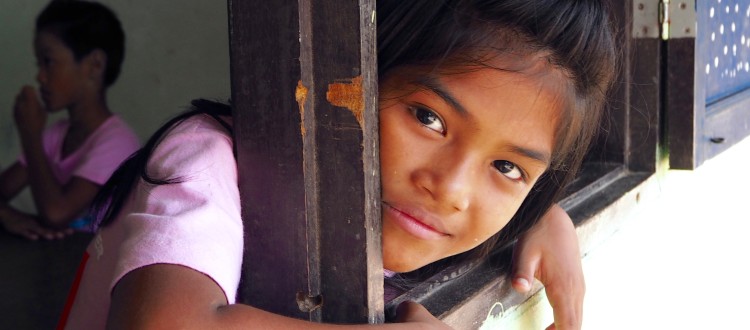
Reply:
x=97 y=158
x=195 y=223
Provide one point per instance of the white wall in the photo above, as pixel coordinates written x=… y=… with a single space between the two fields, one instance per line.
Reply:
x=175 y=51
x=679 y=262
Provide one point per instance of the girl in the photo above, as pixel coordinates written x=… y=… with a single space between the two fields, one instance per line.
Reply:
x=79 y=48
x=486 y=110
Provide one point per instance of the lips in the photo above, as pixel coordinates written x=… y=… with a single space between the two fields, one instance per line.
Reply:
x=417 y=223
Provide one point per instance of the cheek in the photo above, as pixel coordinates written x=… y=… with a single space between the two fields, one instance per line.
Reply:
x=394 y=144
x=496 y=210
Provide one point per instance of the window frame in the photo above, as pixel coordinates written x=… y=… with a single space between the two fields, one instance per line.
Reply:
x=616 y=177
x=697 y=130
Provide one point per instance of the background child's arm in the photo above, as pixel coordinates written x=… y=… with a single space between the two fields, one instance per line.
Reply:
x=57 y=204
x=550 y=253
x=165 y=296
x=12 y=181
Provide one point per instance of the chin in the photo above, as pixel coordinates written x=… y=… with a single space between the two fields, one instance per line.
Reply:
x=403 y=266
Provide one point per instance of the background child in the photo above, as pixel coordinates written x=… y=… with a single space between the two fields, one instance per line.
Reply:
x=79 y=48
x=486 y=110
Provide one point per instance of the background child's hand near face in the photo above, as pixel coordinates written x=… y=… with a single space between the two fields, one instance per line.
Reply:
x=29 y=114
x=550 y=253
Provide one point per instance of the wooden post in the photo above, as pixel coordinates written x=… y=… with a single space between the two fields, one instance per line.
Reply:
x=304 y=91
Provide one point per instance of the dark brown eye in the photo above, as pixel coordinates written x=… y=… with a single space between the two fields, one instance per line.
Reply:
x=508 y=169
x=428 y=118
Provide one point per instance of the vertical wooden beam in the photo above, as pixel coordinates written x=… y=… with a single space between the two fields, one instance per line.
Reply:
x=264 y=72
x=630 y=133
x=683 y=118
x=685 y=95
x=304 y=90
x=643 y=54
x=339 y=65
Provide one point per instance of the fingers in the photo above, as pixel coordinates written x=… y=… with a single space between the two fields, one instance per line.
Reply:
x=525 y=267
x=523 y=275
x=25 y=230
x=29 y=235
x=60 y=234
x=53 y=234
x=31 y=230
x=40 y=232
x=27 y=94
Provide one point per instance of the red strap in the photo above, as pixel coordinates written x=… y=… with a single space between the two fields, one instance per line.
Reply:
x=72 y=294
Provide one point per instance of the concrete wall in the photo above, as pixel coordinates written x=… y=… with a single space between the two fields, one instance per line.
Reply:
x=175 y=51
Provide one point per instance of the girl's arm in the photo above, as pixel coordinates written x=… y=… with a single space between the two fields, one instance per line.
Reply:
x=57 y=204
x=12 y=180
x=550 y=253
x=165 y=296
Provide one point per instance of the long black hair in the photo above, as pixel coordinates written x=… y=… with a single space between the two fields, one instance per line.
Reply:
x=453 y=36
x=85 y=26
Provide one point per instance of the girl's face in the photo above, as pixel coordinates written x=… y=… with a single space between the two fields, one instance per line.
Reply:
x=60 y=76
x=459 y=153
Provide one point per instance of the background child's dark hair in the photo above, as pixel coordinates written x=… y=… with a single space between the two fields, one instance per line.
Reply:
x=85 y=26
x=454 y=36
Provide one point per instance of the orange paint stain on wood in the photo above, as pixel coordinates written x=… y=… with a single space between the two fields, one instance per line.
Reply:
x=300 y=94
x=349 y=96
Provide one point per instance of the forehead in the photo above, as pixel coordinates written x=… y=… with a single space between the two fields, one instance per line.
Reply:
x=46 y=42
x=510 y=103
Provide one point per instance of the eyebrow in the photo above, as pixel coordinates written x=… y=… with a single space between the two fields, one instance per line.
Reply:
x=433 y=85
x=539 y=156
x=436 y=87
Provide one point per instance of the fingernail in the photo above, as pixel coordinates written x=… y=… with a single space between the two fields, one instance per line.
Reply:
x=522 y=282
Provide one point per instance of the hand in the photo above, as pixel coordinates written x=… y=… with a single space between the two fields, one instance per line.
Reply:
x=414 y=313
x=550 y=253
x=29 y=228
x=29 y=113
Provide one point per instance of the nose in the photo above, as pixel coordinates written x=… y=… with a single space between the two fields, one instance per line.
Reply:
x=449 y=180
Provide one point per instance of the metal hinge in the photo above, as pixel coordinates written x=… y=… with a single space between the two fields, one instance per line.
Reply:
x=665 y=19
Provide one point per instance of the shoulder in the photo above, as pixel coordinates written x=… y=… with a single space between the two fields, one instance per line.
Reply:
x=193 y=146
x=116 y=128
x=201 y=132
x=200 y=124
x=113 y=141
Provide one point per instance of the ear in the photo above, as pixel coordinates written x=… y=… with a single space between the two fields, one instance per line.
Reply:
x=96 y=64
